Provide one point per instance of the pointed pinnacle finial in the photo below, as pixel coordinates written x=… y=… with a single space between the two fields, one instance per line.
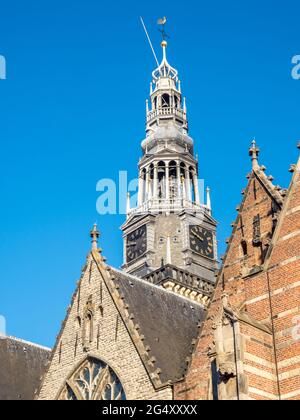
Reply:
x=164 y=45
x=254 y=153
x=95 y=234
x=208 y=199
x=128 y=204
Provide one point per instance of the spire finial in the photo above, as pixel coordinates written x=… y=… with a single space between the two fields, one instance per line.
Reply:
x=162 y=22
x=128 y=204
x=164 y=70
x=208 y=199
x=254 y=153
x=95 y=234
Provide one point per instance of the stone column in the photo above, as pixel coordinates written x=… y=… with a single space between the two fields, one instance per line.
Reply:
x=141 y=188
x=178 y=179
x=196 y=187
x=147 y=183
x=188 y=185
x=167 y=181
x=155 y=183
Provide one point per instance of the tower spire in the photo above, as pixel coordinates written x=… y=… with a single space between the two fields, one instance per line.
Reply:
x=169 y=202
x=95 y=234
x=254 y=153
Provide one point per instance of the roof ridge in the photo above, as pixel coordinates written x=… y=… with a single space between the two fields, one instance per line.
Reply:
x=160 y=288
x=29 y=343
x=283 y=213
x=268 y=184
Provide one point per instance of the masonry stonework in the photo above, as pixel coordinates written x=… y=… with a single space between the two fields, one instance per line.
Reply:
x=110 y=342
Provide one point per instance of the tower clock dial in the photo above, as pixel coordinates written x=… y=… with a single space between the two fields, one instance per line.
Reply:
x=201 y=241
x=136 y=244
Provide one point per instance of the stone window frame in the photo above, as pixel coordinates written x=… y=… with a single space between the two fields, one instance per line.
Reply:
x=91 y=380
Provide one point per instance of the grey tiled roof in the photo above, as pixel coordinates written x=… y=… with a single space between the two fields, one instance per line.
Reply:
x=168 y=322
x=21 y=366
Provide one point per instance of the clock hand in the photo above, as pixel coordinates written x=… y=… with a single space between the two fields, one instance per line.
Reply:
x=130 y=244
x=197 y=236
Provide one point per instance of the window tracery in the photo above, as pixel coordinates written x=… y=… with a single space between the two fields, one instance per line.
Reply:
x=93 y=380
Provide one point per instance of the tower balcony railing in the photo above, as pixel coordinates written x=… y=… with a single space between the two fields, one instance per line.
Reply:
x=157 y=205
x=166 y=111
x=181 y=277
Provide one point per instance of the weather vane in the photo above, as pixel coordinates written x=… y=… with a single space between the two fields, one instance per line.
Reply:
x=162 y=22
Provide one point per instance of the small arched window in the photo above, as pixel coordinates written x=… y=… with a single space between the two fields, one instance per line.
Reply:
x=77 y=322
x=244 y=248
x=176 y=101
x=165 y=101
x=89 y=328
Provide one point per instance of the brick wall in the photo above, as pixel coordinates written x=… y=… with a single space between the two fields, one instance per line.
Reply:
x=245 y=283
x=284 y=278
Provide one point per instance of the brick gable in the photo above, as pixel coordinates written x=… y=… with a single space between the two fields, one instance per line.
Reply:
x=237 y=339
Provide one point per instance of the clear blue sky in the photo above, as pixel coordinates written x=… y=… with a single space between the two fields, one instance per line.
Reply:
x=72 y=111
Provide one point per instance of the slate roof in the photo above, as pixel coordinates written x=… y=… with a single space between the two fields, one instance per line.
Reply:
x=21 y=366
x=169 y=323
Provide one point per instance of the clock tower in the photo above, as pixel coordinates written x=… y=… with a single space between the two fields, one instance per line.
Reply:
x=171 y=233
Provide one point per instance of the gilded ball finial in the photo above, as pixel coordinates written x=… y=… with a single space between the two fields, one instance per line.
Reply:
x=164 y=44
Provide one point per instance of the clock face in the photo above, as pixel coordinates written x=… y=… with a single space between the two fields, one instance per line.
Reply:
x=136 y=244
x=201 y=241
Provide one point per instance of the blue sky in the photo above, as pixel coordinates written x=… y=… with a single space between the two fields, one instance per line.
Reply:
x=72 y=111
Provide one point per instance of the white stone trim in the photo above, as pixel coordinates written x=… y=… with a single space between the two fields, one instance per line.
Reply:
x=289 y=312
x=293 y=210
x=261 y=393
x=290 y=235
x=289 y=362
x=290 y=374
x=259 y=372
x=257 y=299
x=259 y=361
x=285 y=289
x=291 y=395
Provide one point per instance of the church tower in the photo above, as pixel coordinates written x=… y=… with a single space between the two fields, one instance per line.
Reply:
x=171 y=227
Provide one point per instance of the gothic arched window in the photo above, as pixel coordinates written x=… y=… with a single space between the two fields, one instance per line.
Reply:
x=161 y=179
x=165 y=100
x=93 y=380
x=89 y=328
x=244 y=248
x=176 y=101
